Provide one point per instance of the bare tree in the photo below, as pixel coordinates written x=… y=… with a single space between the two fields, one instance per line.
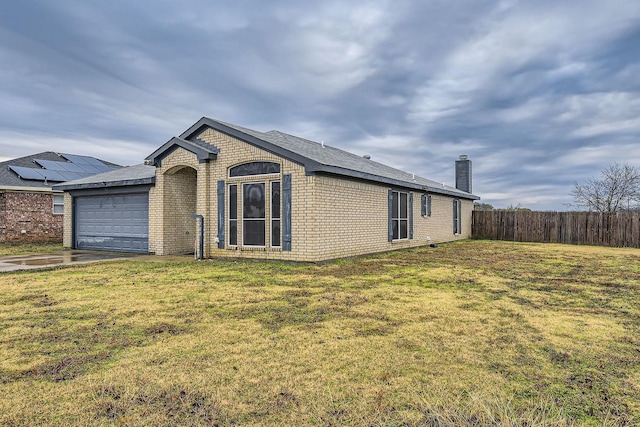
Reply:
x=618 y=189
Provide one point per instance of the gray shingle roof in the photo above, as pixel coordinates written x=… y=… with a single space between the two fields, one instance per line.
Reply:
x=322 y=158
x=130 y=175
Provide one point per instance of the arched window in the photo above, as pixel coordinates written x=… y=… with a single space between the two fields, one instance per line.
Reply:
x=254 y=168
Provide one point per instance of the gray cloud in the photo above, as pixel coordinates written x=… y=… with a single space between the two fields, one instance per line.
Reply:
x=538 y=94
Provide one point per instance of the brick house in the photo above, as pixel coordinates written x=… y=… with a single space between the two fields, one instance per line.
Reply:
x=263 y=195
x=30 y=211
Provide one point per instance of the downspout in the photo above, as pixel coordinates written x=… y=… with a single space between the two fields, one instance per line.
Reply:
x=201 y=248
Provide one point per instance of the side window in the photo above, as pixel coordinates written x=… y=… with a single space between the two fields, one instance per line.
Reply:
x=425 y=205
x=457 y=216
x=58 y=204
x=399 y=215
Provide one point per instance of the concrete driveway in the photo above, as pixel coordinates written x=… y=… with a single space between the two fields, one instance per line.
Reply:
x=29 y=262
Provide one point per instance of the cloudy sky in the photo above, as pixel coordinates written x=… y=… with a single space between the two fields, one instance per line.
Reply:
x=539 y=94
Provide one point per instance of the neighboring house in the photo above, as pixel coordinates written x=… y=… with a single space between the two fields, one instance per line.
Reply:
x=263 y=195
x=30 y=211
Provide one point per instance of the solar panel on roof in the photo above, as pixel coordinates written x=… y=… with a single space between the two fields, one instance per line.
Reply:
x=47 y=174
x=71 y=158
x=89 y=169
x=60 y=171
x=52 y=165
x=52 y=175
x=76 y=159
x=95 y=162
x=27 y=173
x=72 y=167
x=84 y=161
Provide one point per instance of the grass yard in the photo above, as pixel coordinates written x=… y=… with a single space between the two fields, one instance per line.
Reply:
x=8 y=249
x=470 y=333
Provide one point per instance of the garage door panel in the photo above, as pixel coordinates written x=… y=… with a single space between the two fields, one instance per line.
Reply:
x=114 y=223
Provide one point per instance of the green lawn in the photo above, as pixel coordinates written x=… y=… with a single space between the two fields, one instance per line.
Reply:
x=470 y=333
x=28 y=248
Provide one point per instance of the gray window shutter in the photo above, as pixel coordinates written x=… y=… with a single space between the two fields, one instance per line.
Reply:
x=411 y=215
x=390 y=215
x=455 y=216
x=423 y=205
x=429 y=205
x=286 y=212
x=221 y=214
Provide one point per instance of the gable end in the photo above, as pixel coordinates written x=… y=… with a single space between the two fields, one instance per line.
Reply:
x=204 y=152
x=194 y=131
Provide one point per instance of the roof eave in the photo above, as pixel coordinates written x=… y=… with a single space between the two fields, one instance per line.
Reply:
x=460 y=194
x=106 y=184
x=26 y=189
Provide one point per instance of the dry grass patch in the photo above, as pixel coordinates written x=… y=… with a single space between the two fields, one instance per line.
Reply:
x=471 y=333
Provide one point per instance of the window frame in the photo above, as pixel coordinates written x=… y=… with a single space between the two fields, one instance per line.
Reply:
x=270 y=182
x=54 y=204
x=425 y=205
x=397 y=218
x=457 y=217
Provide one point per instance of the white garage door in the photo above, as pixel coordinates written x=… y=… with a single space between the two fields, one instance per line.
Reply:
x=112 y=223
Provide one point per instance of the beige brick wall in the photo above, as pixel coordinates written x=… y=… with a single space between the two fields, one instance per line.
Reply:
x=179 y=194
x=352 y=220
x=67 y=236
x=355 y=219
x=439 y=226
x=172 y=201
x=331 y=217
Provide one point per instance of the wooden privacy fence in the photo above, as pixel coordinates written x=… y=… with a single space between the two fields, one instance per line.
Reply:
x=621 y=229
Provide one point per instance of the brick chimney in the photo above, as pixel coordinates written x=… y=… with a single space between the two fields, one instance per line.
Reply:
x=463 y=173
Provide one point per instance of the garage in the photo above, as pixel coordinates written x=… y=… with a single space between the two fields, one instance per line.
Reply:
x=109 y=211
x=112 y=222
